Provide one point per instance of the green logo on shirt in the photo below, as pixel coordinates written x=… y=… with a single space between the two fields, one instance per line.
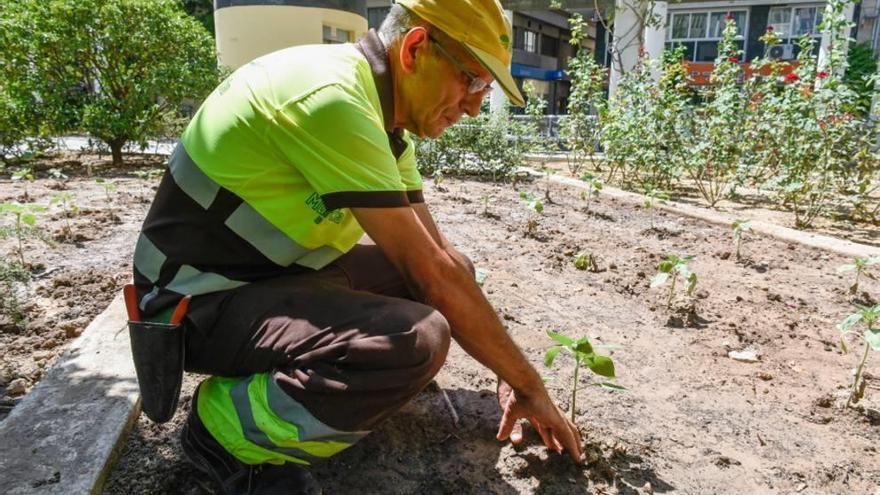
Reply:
x=317 y=205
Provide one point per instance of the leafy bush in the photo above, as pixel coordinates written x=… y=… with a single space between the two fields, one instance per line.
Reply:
x=118 y=69
x=489 y=145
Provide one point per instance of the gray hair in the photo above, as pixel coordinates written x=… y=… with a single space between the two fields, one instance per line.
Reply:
x=398 y=21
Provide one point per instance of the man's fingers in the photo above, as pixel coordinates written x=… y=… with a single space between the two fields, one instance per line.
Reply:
x=516 y=435
x=506 y=425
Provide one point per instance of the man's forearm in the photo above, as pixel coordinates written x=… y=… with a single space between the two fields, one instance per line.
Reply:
x=476 y=327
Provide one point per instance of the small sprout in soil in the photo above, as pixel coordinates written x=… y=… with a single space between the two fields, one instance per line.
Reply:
x=69 y=209
x=57 y=174
x=480 y=275
x=594 y=186
x=860 y=265
x=109 y=188
x=586 y=261
x=652 y=195
x=438 y=179
x=547 y=171
x=867 y=317
x=12 y=272
x=25 y=224
x=535 y=207
x=485 y=200
x=584 y=355
x=740 y=227
x=25 y=175
x=669 y=270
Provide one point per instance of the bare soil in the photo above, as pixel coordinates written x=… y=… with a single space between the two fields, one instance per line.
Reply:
x=74 y=274
x=693 y=421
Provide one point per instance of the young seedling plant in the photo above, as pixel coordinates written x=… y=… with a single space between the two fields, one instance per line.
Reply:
x=584 y=355
x=669 y=270
x=860 y=265
x=740 y=227
x=652 y=195
x=866 y=317
x=535 y=208
x=69 y=209
x=25 y=223
x=24 y=175
x=109 y=188
x=594 y=186
x=586 y=261
x=547 y=171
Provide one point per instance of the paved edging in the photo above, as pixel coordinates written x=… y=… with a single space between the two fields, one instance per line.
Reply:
x=817 y=241
x=65 y=434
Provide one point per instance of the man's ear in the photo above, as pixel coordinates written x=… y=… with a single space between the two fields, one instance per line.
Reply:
x=413 y=41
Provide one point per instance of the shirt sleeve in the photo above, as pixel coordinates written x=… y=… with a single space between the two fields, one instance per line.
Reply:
x=409 y=171
x=335 y=138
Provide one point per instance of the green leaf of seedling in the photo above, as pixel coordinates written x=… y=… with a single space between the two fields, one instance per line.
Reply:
x=601 y=365
x=845 y=268
x=666 y=266
x=659 y=279
x=873 y=260
x=538 y=206
x=611 y=386
x=872 y=337
x=849 y=322
x=480 y=276
x=583 y=346
x=598 y=186
x=551 y=355
x=561 y=339
x=28 y=219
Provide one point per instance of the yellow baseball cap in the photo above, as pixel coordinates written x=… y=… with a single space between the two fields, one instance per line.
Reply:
x=482 y=27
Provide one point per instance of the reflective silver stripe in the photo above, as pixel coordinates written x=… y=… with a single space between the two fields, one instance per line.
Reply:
x=190 y=178
x=149 y=297
x=252 y=432
x=319 y=258
x=148 y=259
x=309 y=427
x=191 y=282
x=265 y=237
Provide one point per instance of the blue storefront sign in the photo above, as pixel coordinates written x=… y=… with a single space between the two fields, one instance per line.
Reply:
x=528 y=72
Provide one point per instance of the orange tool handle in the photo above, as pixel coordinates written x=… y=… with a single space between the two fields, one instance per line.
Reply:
x=180 y=310
x=131 y=302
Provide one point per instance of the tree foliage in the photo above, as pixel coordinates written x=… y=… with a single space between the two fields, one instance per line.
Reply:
x=116 y=69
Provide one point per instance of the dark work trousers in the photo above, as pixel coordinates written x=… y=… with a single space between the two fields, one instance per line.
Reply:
x=348 y=342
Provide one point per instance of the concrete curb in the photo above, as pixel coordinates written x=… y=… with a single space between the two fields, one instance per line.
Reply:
x=66 y=433
x=826 y=243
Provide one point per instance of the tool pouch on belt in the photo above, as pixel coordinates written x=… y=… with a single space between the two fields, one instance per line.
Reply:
x=158 y=353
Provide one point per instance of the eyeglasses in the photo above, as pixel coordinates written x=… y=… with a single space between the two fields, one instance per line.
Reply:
x=476 y=83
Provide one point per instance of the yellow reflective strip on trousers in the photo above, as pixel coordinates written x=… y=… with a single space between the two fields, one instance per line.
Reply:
x=218 y=413
x=237 y=413
x=281 y=431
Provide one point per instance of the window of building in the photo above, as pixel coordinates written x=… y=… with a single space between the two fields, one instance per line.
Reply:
x=549 y=46
x=333 y=36
x=530 y=41
x=375 y=16
x=700 y=31
x=793 y=22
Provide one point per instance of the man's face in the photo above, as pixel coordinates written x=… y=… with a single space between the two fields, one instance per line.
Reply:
x=437 y=91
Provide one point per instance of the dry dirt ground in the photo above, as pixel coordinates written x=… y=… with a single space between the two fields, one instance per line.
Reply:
x=693 y=421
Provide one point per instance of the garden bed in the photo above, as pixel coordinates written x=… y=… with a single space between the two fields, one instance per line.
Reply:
x=71 y=277
x=693 y=421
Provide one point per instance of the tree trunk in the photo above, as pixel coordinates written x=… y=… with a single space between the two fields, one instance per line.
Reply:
x=116 y=150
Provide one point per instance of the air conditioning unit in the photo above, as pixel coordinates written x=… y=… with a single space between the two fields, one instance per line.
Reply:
x=782 y=52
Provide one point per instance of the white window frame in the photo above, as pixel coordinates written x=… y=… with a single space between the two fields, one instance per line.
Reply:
x=534 y=44
x=708 y=13
x=334 y=35
x=790 y=37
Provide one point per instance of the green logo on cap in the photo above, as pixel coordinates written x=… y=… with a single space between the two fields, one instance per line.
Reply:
x=505 y=40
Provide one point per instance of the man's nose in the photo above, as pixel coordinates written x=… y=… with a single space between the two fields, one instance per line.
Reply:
x=471 y=104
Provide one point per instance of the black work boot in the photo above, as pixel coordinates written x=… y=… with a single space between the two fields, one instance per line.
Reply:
x=229 y=476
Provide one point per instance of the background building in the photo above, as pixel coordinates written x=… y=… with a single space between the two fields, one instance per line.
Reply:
x=246 y=29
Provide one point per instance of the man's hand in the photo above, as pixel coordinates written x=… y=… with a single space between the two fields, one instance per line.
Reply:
x=556 y=430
